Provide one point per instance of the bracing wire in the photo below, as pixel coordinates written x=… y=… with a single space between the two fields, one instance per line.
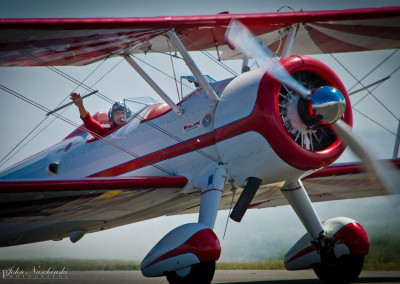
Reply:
x=11 y=153
x=173 y=70
x=70 y=78
x=182 y=141
x=367 y=117
x=370 y=91
x=43 y=108
x=373 y=69
x=162 y=72
x=40 y=123
x=226 y=67
x=359 y=82
x=215 y=60
x=390 y=75
x=169 y=133
x=229 y=213
x=66 y=76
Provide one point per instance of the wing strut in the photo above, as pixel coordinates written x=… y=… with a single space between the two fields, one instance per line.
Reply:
x=192 y=66
x=289 y=42
x=154 y=85
x=245 y=64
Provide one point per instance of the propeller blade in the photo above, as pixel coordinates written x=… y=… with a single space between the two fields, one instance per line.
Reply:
x=241 y=38
x=384 y=172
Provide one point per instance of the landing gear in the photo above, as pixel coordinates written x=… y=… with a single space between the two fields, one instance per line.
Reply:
x=188 y=253
x=344 y=270
x=335 y=249
x=200 y=273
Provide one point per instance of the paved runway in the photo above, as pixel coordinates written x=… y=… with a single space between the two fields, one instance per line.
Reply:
x=221 y=276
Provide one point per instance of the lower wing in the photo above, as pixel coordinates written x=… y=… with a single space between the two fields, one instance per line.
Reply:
x=38 y=210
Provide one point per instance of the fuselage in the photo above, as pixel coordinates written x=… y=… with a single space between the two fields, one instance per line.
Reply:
x=165 y=139
x=165 y=143
x=154 y=144
x=158 y=145
x=244 y=132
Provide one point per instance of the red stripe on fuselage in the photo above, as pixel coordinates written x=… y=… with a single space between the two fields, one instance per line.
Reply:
x=160 y=155
x=225 y=132
x=263 y=119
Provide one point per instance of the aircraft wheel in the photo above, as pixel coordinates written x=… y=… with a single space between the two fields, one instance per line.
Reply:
x=200 y=273
x=345 y=270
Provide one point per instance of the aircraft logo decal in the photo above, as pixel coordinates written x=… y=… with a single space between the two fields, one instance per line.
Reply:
x=206 y=120
x=191 y=126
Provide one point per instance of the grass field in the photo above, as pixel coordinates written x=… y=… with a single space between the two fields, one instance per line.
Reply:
x=383 y=256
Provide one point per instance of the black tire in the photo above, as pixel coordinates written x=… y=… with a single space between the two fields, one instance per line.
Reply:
x=200 y=273
x=345 y=270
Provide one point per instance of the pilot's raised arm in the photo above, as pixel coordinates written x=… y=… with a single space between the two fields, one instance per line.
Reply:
x=116 y=115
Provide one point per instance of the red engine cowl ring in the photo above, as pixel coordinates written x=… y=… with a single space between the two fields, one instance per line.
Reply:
x=283 y=141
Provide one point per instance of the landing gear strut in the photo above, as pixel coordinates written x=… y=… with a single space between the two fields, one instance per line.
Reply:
x=335 y=249
x=188 y=253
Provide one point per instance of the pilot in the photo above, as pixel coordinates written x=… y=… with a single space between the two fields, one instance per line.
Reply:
x=116 y=115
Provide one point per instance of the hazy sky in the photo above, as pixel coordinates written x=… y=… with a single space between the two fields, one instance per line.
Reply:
x=259 y=228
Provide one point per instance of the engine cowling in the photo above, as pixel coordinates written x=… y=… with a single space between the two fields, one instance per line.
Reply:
x=262 y=128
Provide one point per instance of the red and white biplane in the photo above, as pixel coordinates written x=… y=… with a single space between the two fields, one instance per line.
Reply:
x=266 y=134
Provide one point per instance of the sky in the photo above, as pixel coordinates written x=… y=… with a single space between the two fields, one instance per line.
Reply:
x=260 y=230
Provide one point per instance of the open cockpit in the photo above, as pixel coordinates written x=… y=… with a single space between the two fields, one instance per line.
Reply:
x=138 y=110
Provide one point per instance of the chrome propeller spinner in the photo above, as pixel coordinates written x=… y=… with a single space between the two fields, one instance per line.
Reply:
x=327 y=105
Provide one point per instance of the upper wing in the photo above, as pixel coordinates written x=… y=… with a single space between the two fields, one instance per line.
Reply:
x=38 y=42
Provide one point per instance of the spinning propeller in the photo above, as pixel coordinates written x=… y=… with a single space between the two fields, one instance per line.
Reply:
x=324 y=106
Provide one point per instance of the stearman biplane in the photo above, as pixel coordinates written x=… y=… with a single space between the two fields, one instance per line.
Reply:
x=266 y=135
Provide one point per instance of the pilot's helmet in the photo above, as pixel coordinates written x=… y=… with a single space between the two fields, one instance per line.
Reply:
x=118 y=106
